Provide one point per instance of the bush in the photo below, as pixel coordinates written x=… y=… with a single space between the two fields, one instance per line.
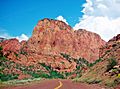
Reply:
x=44 y=75
x=1 y=54
x=16 y=54
x=1 y=48
x=22 y=52
x=35 y=75
x=96 y=61
x=52 y=73
x=55 y=74
x=83 y=61
x=38 y=75
x=111 y=64
x=46 y=67
x=68 y=74
x=66 y=56
x=6 y=77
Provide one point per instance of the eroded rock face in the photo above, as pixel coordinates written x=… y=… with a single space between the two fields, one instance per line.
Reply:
x=115 y=39
x=88 y=45
x=10 y=47
x=50 y=38
x=111 y=49
x=107 y=68
x=54 y=37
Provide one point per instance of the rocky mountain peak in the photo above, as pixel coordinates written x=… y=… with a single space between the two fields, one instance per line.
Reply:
x=50 y=25
x=54 y=44
x=115 y=38
x=53 y=37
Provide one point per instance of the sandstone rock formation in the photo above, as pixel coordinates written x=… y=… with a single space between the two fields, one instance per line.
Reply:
x=108 y=69
x=10 y=47
x=52 y=37
x=111 y=49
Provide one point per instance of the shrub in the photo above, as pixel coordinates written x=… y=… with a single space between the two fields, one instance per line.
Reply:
x=6 y=77
x=83 y=61
x=1 y=68
x=1 y=48
x=52 y=73
x=22 y=52
x=111 y=64
x=78 y=67
x=1 y=54
x=66 y=56
x=46 y=67
x=44 y=75
x=16 y=54
x=55 y=74
x=96 y=61
x=68 y=74
x=35 y=75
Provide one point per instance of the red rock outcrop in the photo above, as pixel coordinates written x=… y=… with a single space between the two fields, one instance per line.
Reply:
x=49 y=39
x=108 y=69
x=10 y=48
x=111 y=49
x=52 y=37
x=115 y=38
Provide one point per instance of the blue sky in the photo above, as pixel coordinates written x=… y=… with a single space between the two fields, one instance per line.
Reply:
x=20 y=16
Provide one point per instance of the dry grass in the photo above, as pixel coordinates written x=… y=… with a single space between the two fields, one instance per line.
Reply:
x=97 y=74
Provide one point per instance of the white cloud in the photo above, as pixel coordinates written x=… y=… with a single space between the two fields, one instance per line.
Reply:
x=102 y=17
x=61 y=18
x=20 y=38
x=103 y=8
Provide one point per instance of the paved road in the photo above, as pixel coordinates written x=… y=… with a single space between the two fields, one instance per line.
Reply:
x=56 y=84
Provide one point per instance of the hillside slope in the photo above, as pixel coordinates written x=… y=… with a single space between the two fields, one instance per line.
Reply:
x=107 y=71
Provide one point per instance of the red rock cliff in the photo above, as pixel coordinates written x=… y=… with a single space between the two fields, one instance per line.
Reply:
x=49 y=39
x=52 y=37
x=111 y=49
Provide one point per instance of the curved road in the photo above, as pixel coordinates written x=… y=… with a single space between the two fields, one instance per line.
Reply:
x=56 y=84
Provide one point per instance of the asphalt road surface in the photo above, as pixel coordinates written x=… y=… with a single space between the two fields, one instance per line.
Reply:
x=55 y=84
